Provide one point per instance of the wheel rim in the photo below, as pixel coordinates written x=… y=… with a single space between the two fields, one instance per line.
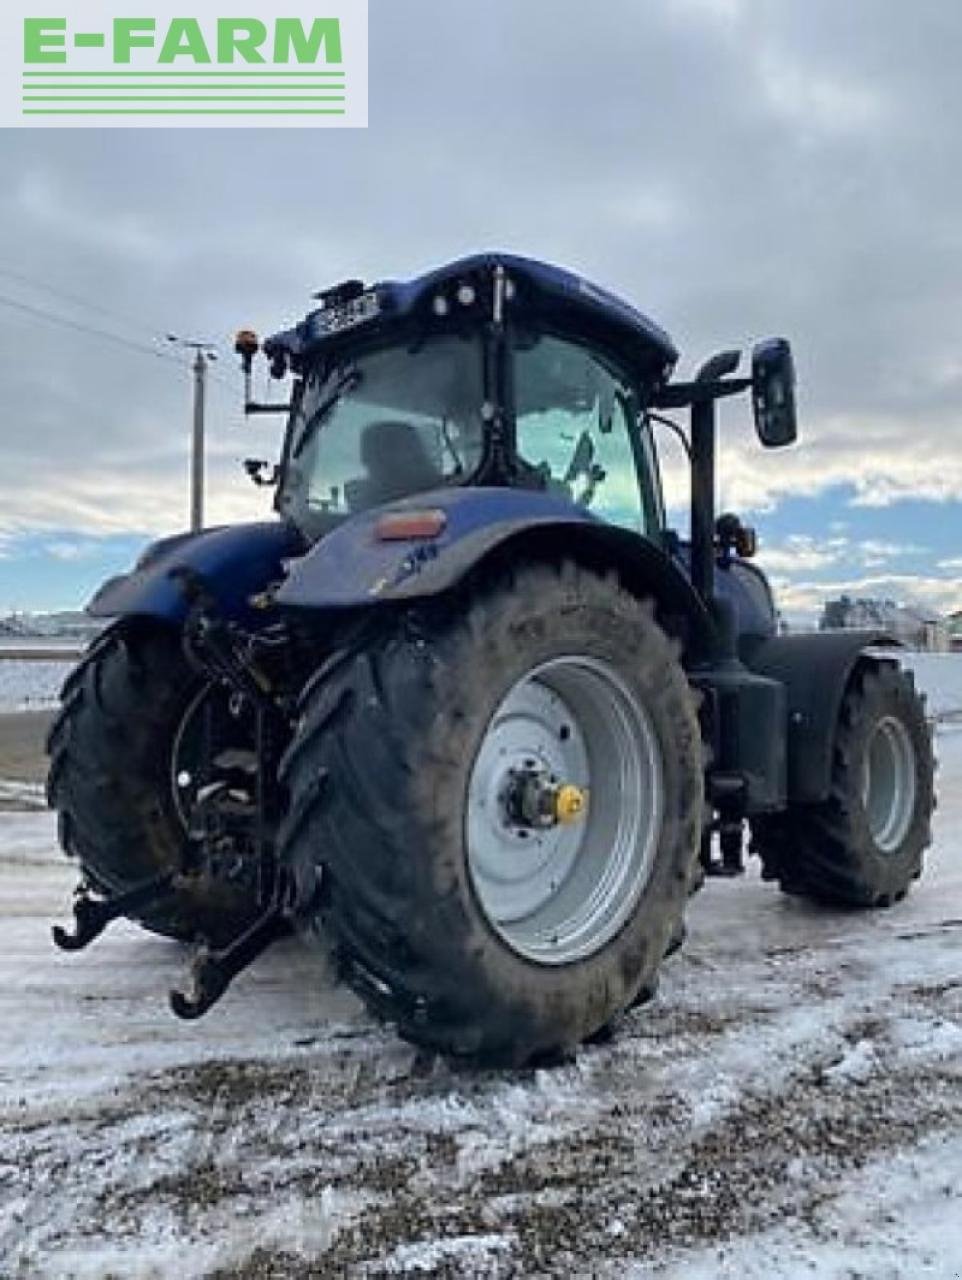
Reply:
x=558 y=893
x=889 y=784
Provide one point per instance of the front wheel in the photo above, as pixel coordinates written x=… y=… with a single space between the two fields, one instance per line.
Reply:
x=863 y=846
x=132 y=718
x=504 y=809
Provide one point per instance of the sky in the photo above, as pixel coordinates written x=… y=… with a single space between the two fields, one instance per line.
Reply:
x=736 y=168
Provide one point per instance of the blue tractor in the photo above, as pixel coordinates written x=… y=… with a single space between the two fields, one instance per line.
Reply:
x=468 y=709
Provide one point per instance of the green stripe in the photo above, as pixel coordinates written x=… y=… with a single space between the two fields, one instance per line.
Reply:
x=179 y=90
x=265 y=74
x=183 y=97
x=188 y=111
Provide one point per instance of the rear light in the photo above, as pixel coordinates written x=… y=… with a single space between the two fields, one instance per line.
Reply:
x=410 y=526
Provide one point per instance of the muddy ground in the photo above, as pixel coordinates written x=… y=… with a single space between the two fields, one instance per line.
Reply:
x=21 y=746
x=791 y=1104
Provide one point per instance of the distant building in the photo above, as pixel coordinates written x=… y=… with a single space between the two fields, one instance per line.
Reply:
x=912 y=626
x=955 y=630
x=67 y=624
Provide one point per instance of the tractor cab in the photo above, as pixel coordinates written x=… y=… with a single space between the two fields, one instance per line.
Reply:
x=501 y=373
x=387 y=423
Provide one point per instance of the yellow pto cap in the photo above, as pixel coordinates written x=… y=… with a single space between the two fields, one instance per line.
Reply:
x=570 y=804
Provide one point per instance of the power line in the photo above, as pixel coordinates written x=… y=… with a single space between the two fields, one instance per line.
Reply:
x=75 y=300
x=203 y=373
x=78 y=325
x=205 y=352
x=159 y=335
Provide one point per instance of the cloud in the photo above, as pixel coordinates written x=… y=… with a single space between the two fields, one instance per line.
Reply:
x=66 y=550
x=736 y=170
x=873 y=552
x=95 y=225
x=803 y=553
x=727 y=11
x=820 y=104
x=800 y=554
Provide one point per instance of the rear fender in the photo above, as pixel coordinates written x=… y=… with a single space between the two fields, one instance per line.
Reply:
x=815 y=670
x=352 y=567
x=235 y=562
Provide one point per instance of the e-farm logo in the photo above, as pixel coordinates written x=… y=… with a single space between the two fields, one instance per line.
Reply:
x=101 y=67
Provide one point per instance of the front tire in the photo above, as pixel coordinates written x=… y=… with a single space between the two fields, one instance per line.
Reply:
x=864 y=845
x=111 y=754
x=457 y=916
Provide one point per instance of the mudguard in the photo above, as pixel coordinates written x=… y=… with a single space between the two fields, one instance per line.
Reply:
x=815 y=670
x=236 y=562
x=747 y=589
x=352 y=567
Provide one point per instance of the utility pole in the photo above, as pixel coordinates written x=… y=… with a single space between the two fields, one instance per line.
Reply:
x=197 y=451
x=203 y=353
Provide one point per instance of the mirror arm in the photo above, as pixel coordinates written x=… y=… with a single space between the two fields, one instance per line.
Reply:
x=719 y=366
x=680 y=395
x=251 y=408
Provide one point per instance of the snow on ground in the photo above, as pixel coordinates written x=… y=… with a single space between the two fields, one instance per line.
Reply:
x=16 y=796
x=790 y=1105
x=31 y=685
x=938 y=675
x=70 y=645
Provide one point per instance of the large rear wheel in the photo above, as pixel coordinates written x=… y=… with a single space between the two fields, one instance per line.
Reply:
x=503 y=806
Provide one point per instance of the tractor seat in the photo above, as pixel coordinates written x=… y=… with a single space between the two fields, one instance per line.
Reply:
x=397 y=464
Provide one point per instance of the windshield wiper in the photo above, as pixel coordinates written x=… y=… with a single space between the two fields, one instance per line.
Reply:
x=348 y=381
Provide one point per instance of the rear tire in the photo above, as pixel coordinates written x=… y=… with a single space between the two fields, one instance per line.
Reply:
x=110 y=780
x=383 y=776
x=864 y=845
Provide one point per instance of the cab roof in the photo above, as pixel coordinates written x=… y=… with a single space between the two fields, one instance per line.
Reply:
x=547 y=293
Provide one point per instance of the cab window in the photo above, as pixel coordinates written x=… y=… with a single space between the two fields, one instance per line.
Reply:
x=576 y=433
x=386 y=424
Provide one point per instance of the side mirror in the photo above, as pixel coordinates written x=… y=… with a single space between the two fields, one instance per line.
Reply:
x=773 y=393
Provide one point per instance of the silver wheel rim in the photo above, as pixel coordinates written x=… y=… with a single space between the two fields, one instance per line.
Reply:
x=888 y=791
x=559 y=894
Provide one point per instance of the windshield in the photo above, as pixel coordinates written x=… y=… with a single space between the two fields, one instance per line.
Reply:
x=377 y=427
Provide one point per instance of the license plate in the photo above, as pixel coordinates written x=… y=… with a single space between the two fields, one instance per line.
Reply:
x=345 y=315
